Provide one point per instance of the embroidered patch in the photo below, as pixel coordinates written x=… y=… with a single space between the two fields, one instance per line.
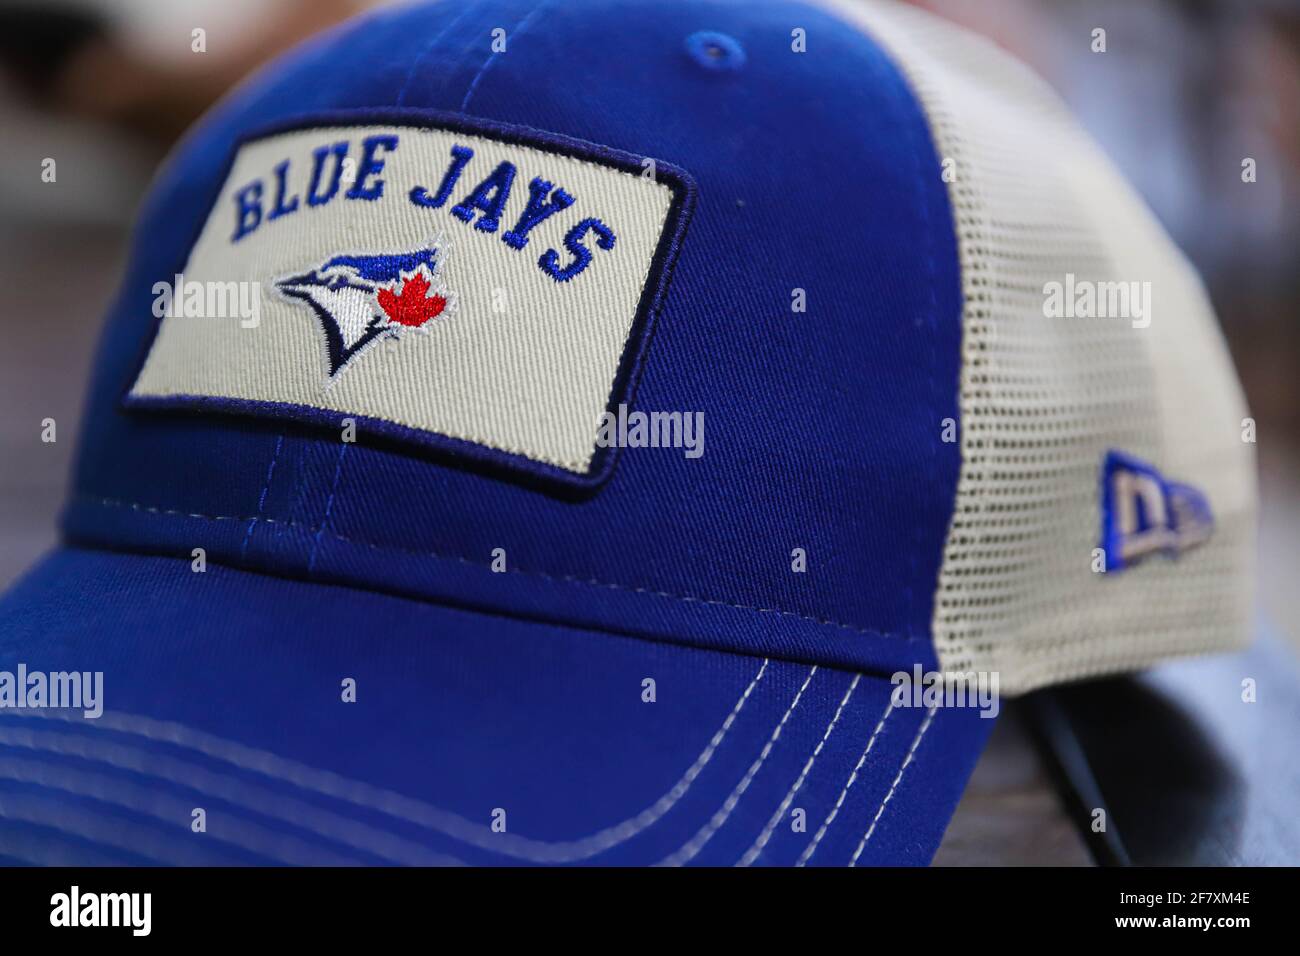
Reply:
x=451 y=284
x=360 y=299
x=1142 y=512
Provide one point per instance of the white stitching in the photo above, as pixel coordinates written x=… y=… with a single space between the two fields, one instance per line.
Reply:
x=573 y=579
x=830 y=818
x=173 y=812
x=916 y=742
x=402 y=807
x=260 y=800
x=687 y=852
x=753 y=852
x=103 y=831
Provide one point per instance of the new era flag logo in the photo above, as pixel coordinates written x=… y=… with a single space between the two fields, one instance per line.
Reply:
x=1143 y=512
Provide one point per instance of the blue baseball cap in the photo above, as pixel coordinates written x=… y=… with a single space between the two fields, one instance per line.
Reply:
x=614 y=433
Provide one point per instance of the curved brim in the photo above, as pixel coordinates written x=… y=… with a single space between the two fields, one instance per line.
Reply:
x=249 y=719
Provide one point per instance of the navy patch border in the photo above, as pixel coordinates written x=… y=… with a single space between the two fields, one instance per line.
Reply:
x=444 y=449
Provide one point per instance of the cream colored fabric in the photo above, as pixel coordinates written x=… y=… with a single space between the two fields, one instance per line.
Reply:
x=523 y=363
x=1042 y=399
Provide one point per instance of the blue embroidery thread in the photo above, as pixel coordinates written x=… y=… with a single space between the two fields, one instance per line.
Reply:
x=281 y=172
x=371 y=165
x=537 y=210
x=340 y=152
x=490 y=197
x=550 y=260
x=460 y=155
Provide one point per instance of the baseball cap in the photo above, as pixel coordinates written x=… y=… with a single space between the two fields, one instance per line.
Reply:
x=540 y=433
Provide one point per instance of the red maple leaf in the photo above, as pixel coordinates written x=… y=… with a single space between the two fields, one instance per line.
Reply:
x=414 y=306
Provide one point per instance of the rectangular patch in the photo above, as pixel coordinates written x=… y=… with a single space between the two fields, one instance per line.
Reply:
x=449 y=284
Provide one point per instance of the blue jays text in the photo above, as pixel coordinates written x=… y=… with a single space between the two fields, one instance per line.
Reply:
x=487 y=200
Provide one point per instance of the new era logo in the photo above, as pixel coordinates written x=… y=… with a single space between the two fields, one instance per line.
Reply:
x=1142 y=512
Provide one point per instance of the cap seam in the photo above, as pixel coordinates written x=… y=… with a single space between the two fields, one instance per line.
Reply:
x=109 y=502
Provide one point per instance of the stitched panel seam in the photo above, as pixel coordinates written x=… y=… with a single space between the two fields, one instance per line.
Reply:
x=568 y=578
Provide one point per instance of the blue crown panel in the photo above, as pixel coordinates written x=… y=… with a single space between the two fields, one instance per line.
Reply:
x=824 y=428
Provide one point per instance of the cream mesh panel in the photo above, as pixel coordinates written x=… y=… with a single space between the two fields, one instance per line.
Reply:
x=1042 y=399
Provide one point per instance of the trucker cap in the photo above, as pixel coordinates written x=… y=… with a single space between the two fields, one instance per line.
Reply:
x=614 y=433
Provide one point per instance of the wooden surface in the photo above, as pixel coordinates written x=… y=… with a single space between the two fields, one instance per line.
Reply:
x=1010 y=815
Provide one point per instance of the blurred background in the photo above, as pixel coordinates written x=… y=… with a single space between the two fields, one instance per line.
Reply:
x=1184 y=92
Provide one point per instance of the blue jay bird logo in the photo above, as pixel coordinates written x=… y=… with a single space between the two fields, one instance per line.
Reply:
x=360 y=300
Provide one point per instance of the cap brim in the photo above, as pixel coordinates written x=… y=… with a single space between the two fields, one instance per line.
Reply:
x=473 y=738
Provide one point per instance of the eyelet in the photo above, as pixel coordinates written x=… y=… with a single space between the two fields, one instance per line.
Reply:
x=715 y=51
